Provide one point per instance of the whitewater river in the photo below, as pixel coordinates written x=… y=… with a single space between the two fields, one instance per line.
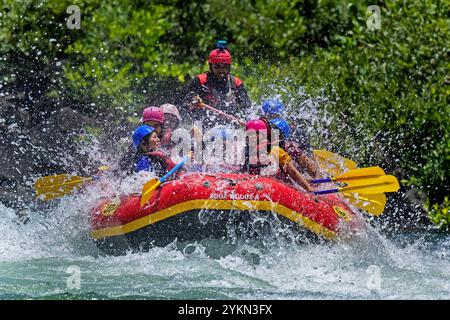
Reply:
x=52 y=257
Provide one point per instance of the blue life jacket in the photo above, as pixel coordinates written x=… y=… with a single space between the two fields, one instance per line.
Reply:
x=154 y=161
x=143 y=163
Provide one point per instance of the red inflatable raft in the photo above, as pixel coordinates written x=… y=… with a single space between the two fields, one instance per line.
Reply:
x=199 y=206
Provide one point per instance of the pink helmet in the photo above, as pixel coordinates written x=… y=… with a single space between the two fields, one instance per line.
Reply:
x=153 y=114
x=256 y=125
x=171 y=109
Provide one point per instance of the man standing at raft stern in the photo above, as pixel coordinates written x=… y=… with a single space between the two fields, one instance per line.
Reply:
x=217 y=88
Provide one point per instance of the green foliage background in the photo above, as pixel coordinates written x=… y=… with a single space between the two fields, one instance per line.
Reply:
x=387 y=90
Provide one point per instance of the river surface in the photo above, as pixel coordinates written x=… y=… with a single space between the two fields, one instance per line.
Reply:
x=52 y=257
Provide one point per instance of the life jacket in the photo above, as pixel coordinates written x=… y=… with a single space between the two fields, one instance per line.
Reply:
x=211 y=94
x=283 y=159
x=255 y=169
x=204 y=77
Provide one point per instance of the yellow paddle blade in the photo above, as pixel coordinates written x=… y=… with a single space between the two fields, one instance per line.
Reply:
x=360 y=174
x=332 y=163
x=372 y=186
x=363 y=182
x=51 y=187
x=372 y=203
x=148 y=189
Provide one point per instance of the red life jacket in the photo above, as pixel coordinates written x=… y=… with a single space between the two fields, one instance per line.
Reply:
x=204 y=77
x=255 y=168
x=211 y=93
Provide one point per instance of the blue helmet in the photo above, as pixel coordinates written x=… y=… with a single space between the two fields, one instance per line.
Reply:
x=283 y=126
x=140 y=133
x=272 y=107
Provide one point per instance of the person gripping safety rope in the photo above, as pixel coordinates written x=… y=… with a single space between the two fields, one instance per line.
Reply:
x=216 y=88
x=256 y=160
x=148 y=157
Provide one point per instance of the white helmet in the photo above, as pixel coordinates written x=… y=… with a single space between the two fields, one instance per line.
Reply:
x=170 y=108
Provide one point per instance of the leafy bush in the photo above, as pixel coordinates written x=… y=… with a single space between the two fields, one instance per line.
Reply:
x=380 y=97
x=439 y=214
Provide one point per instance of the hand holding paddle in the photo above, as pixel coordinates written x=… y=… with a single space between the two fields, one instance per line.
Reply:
x=151 y=185
x=197 y=102
x=223 y=114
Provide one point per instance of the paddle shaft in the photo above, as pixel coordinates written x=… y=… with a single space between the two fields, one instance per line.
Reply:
x=326 y=191
x=168 y=174
x=223 y=114
x=151 y=185
x=324 y=180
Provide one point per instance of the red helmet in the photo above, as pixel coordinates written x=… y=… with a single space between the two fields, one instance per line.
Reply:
x=220 y=56
x=153 y=114
x=256 y=125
